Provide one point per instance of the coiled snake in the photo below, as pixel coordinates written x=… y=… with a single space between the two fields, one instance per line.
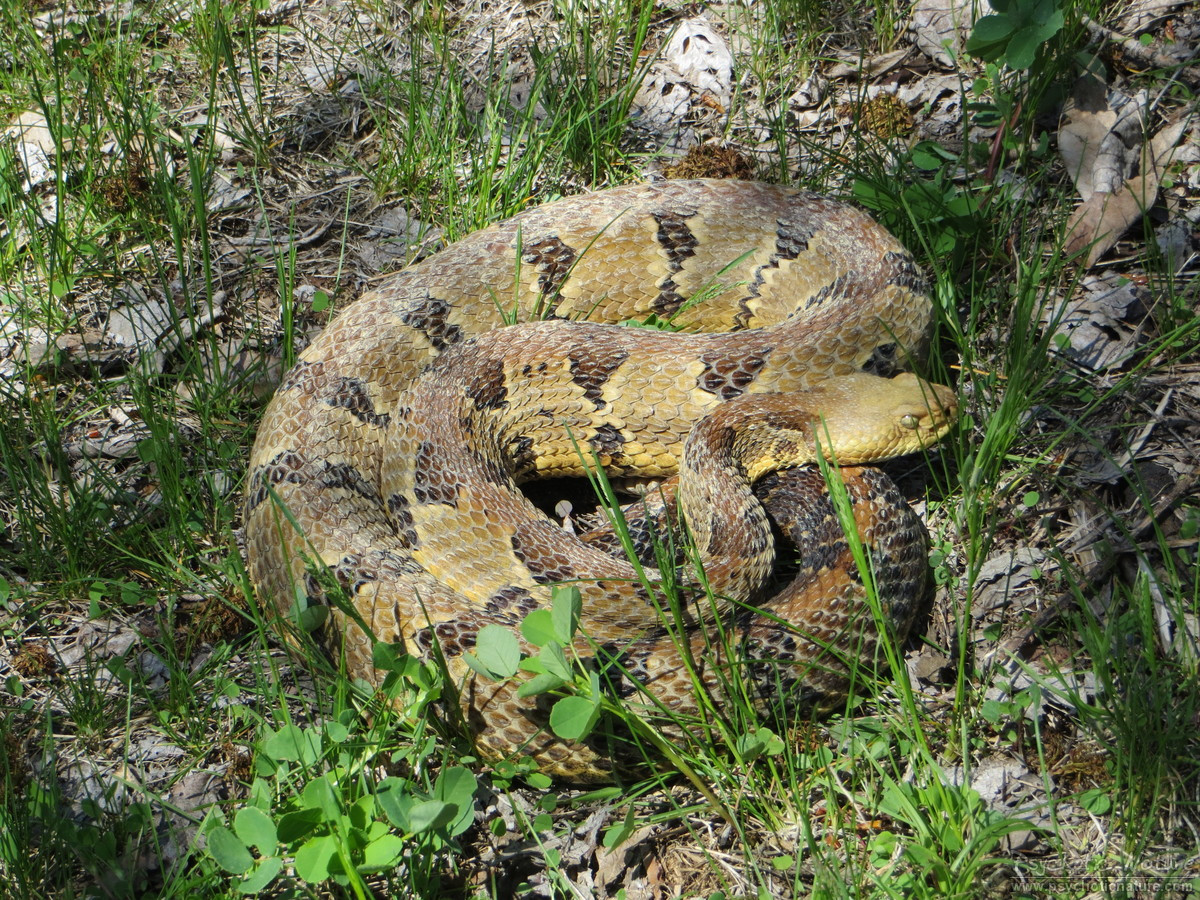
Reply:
x=392 y=451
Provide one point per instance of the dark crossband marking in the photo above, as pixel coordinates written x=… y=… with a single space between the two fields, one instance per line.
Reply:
x=591 y=370
x=609 y=444
x=486 y=385
x=402 y=521
x=431 y=317
x=431 y=483
x=529 y=545
x=680 y=244
x=791 y=239
x=553 y=260
x=351 y=394
x=729 y=376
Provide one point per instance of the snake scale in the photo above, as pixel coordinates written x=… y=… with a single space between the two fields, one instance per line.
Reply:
x=392 y=452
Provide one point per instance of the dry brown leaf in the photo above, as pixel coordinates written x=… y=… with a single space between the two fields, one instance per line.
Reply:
x=617 y=866
x=696 y=66
x=1105 y=216
x=810 y=93
x=1099 y=136
x=1095 y=327
x=871 y=67
x=701 y=55
x=1142 y=14
x=31 y=128
x=1009 y=574
x=1165 y=143
x=940 y=27
x=35 y=149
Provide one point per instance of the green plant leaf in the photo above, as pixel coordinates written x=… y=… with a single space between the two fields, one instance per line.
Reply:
x=761 y=741
x=263 y=874
x=256 y=829
x=1022 y=48
x=497 y=653
x=229 y=852
x=385 y=656
x=554 y=659
x=1051 y=25
x=430 y=815
x=457 y=786
x=1039 y=12
x=295 y=825
x=993 y=711
x=1190 y=527
x=573 y=718
x=320 y=794
x=882 y=848
x=1096 y=801
x=540 y=684
x=617 y=834
x=989 y=37
x=315 y=858
x=567 y=606
x=382 y=853
x=927 y=156
x=538 y=628
x=362 y=813
x=923 y=858
x=294 y=744
x=396 y=802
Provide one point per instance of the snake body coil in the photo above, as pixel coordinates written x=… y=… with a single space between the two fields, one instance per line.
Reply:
x=393 y=450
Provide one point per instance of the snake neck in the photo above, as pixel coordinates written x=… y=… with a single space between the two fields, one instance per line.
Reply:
x=727 y=522
x=726 y=452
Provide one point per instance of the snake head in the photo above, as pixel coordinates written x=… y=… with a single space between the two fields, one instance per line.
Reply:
x=856 y=419
x=928 y=410
x=867 y=418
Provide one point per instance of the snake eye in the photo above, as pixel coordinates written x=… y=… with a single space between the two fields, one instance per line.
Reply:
x=910 y=421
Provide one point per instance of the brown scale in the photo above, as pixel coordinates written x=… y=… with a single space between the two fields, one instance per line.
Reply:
x=398 y=442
